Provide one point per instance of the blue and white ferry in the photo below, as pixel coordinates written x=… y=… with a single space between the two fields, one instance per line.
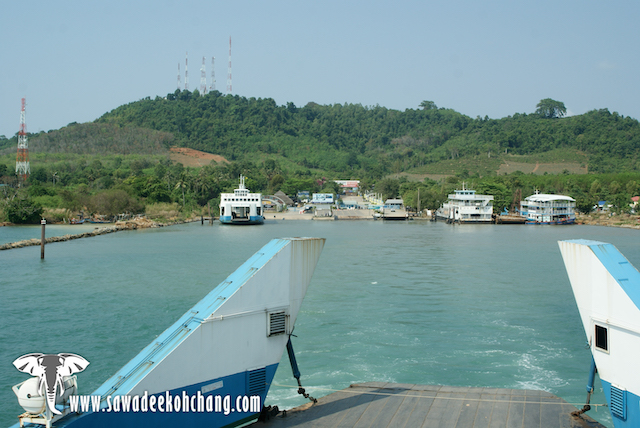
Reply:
x=241 y=206
x=212 y=367
x=542 y=208
x=607 y=291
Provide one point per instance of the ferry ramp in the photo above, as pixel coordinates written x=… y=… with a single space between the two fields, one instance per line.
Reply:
x=382 y=405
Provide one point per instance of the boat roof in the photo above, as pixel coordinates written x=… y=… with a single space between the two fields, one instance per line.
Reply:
x=545 y=197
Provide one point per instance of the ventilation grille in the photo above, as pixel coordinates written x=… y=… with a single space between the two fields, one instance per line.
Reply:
x=619 y=402
x=277 y=323
x=256 y=381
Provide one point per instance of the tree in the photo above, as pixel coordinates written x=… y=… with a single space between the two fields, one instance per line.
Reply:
x=550 y=109
x=22 y=210
x=389 y=188
x=428 y=105
x=184 y=182
x=113 y=202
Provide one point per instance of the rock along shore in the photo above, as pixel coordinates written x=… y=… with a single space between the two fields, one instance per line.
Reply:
x=139 y=223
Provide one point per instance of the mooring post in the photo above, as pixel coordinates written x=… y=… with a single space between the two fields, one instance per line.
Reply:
x=43 y=222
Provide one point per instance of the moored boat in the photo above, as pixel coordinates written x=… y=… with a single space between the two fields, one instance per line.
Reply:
x=241 y=206
x=542 y=208
x=607 y=292
x=466 y=206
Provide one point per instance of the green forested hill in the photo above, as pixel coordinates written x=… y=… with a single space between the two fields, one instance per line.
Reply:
x=374 y=140
x=120 y=163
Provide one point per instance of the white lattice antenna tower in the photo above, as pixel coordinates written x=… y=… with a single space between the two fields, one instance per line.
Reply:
x=22 y=158
x=229 y=88
x=178 y=76
x=212 y=86
x=203 y=79
x=186 y=72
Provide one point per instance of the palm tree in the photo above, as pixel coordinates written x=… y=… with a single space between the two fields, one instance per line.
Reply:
x=183 y=183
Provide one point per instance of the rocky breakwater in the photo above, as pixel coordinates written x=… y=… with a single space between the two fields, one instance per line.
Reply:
x=138 y=223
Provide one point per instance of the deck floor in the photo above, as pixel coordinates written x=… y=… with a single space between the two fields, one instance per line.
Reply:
x=379 y=404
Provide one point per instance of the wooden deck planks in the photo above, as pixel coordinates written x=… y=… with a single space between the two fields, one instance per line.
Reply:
x=382 y=405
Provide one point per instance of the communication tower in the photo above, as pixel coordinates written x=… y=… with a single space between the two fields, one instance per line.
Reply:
x=186 y=72
x=203 y=79
x=22 y=158
x=229 y=76
x=212 y=86
x=178 y=76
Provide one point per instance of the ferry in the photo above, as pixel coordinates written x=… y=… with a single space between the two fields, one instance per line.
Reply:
x=241 y=206
x=542 y=208
x=212 y=367
x=607 y=292
x=465 y=206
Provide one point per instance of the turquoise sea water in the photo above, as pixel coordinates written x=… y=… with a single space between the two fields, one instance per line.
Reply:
x=407 y=302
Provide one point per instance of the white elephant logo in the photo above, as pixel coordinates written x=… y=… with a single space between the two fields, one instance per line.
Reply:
x=50 y=369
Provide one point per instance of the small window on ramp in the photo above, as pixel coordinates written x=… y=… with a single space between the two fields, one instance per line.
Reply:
x=602 y=338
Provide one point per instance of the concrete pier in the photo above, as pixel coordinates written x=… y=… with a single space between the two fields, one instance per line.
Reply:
x=381 y=405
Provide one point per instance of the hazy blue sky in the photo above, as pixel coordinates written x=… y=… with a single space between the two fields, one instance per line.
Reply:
x=76 y=60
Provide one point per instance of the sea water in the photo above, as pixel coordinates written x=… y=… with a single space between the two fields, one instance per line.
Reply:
x=405 y=302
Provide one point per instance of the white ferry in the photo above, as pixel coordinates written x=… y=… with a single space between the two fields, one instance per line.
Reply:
x=607 y=292
x=465 y=206
x=543 y=208
x=241 y=206
x=213 y=367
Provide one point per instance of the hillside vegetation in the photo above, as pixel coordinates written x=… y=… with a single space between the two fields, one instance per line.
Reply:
x=123 y=158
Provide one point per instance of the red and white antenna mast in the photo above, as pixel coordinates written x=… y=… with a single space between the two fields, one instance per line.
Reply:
x=212 y=86
x=178 y=76
x=186 y=72
x=22 y=158
x=229 y=88
x=203 y=79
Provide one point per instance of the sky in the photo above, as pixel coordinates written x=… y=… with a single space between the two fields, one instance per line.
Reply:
x=74 y=61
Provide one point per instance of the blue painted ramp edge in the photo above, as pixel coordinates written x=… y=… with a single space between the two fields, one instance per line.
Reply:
x=130 y=374
x=625 y=274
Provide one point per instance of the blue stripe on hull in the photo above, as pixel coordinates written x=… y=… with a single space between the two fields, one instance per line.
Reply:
x=252 y=220
x=558 y=222
x=234 y=385
x=632 y=408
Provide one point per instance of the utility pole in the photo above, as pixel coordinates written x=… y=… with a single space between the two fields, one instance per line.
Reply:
x=229 y=88
x=22 y=158
x=186 y=72
x=203 y=79
x=212 y=86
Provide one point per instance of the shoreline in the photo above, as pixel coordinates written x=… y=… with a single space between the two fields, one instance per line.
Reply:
x=627 y=221
x=140 y=223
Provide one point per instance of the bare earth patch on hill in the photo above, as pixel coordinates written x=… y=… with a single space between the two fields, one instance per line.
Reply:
x=194 y=158
x=540 y=168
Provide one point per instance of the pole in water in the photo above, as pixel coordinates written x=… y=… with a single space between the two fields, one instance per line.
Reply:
x=43 y=222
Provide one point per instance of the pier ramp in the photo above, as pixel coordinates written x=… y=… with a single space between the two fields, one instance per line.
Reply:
x=382 y=405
